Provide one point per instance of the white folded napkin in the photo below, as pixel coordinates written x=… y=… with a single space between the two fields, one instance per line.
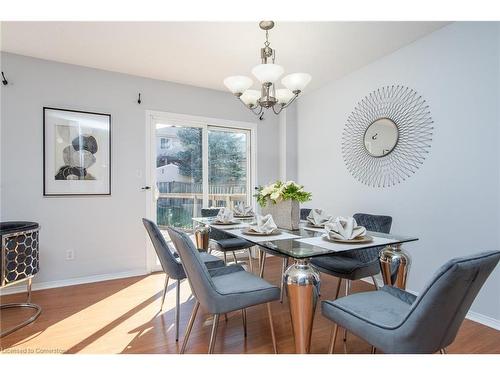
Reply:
x=318 y=217
x=242 y=210
x=265 y=224
x=344 y=228
x=225 y=215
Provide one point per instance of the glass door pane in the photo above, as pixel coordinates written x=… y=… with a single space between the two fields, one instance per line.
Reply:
x=228 y=166
x=179 y=174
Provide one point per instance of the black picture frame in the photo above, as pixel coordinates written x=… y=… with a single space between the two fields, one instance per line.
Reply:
x=46 y=192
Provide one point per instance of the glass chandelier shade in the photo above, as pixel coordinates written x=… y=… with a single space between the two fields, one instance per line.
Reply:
x=250 y=97
x=238 y=84
x=268 y=72
x=284 y=95
x=296 y=81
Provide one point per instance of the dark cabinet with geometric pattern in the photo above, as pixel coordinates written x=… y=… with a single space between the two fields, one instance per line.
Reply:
x=19 y=262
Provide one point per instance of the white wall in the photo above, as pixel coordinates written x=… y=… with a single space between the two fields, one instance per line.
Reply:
x=452 y=202
x=105 y=232
x=288 y=143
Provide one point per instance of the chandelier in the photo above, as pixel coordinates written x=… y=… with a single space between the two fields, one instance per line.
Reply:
x=267 y=73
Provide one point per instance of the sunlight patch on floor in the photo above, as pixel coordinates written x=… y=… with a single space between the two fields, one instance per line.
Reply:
x=108 y=333
x=142 y=321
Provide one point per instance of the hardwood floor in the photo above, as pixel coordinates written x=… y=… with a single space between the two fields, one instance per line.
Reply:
x=121 y=316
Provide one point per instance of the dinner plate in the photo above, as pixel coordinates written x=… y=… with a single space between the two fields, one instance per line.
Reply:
x=363 y=239
x=311 y=225
x=221 y=223
x=249 y=232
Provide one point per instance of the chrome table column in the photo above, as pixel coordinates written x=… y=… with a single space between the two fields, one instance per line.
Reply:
x=395 y=264
x=202 y=236
x=302 y=282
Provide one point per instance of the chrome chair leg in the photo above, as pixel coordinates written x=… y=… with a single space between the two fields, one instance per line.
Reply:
x=263 y=264
x=286 y=267
x=234 y=258
x=337 y=292
x=374 y=350
x=375 y=283
x=164 y=292
x=177 y=312
x=442 y=351
x=250 y=263
x=334 y=338
x=225 y=258
x=282 y=284
x=189 y=327
x=271 y=324
x=348 y=285
x=244 y=316
x=213 y=334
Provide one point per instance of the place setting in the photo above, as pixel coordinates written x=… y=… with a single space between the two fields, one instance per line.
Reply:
x=317 y=219
x=344 y=233
x=262 y=229
x=264 y=226
x=345 y=230
x=225 y=217
x=242 y=211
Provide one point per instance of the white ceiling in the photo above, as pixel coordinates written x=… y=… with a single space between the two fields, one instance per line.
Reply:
x=204 y=53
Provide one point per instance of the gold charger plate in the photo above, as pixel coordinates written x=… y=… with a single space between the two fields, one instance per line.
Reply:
x=249 y=232
x=363 y=239
x=244 y=216
x=311 y=225
x=221 y=223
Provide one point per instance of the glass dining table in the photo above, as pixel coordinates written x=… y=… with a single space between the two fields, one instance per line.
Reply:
x=301 y=278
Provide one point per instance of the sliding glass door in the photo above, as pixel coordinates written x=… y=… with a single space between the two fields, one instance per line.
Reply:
x=178 y=174
x=229 y=164
x=195 y=165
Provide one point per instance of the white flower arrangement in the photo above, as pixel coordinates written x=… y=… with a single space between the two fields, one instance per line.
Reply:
x=280 y=191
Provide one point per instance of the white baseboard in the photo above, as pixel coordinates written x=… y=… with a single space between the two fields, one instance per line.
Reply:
x=21 y=287
x=483 y=319
x=471 y=315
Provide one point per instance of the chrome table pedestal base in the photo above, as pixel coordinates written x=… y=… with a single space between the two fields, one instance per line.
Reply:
x=202 y=237
x=395 y=264
x=37 y=311
x=302 y=282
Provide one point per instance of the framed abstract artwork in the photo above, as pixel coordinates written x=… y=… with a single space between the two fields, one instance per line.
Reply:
x=76 y=153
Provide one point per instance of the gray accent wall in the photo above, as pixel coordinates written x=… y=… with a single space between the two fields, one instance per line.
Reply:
x=106 y=233
x=452 y=202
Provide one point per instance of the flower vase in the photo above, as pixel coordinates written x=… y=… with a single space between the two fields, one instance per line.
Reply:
x=286 y=214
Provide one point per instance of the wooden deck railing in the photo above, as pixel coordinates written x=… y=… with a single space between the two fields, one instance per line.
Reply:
x=185 y=200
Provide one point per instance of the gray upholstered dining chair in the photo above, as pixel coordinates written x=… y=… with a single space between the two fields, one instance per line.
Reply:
x=172 y=266
x=304 y=213
x=356 y=264
x=223 y=242
x=396 y=321
x=222 y=290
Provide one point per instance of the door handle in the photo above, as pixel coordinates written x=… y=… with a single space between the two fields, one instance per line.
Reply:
x=146 y=188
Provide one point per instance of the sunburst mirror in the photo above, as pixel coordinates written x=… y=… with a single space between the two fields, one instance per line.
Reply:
x=387 y=136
